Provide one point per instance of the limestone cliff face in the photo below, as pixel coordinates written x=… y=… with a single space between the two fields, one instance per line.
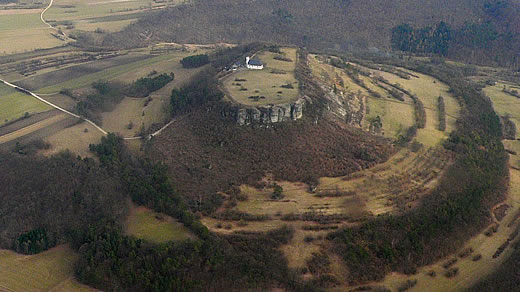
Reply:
x=271 y=114
x=350 y=107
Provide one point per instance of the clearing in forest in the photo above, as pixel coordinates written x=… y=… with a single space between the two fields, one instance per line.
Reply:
x=155 y=227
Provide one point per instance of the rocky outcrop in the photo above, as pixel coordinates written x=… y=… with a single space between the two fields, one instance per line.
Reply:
x=271 y=114
x=350 y=107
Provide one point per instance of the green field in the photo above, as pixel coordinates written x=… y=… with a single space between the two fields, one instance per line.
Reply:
x=428 y=90
x=396 y=116
x=245 y=83
x=155 y=227
x=15 y=104
x=52 y=270
x=24 y=32
x=503 y=103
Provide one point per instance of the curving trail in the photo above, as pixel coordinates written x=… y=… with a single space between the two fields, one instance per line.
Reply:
x=79 y=117
x=49 y=25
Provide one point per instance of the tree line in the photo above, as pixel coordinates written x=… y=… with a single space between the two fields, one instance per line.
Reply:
x=111 y=261
x=45 y=201
x=195 y=61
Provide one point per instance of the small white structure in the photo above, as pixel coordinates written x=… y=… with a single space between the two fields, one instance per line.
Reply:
x=254 y=64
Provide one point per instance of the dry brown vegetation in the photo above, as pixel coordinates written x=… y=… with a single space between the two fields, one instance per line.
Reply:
x=209 y=153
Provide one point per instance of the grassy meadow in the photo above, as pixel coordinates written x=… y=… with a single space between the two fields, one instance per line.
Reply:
x=76 y=139
x=428 y=89
x=14 y=105
x=506 y=105
x=21 y=32
x=52 y=270
x=155 y=227
x=268 y=82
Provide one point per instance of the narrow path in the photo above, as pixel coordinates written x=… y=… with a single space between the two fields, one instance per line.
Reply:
x=82 y=118
x=49 y=25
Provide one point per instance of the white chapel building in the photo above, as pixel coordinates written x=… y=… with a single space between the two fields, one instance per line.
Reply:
x=254 y=64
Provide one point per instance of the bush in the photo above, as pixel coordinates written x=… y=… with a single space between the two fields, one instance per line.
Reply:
x=277 y=193
x=407 y=285
x=282 y=58
x=451 y=272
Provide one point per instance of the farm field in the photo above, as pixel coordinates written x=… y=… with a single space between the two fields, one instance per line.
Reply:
x=57 y=74
x=21 y=32
x=31 y=128
x=125 y=68
x=14 y=105
x=52 y=270
x=155 y=227
x=267 y=84
x=24 y=30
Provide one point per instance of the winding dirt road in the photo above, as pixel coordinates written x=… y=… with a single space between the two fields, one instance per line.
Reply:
x=49 y=25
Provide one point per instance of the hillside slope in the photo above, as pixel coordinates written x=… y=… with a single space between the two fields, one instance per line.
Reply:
x=339 y=24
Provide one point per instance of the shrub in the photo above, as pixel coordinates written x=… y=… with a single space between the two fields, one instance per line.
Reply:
x=277 y=193
x=407 y=285
x=282 y=58
x=451 y=272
